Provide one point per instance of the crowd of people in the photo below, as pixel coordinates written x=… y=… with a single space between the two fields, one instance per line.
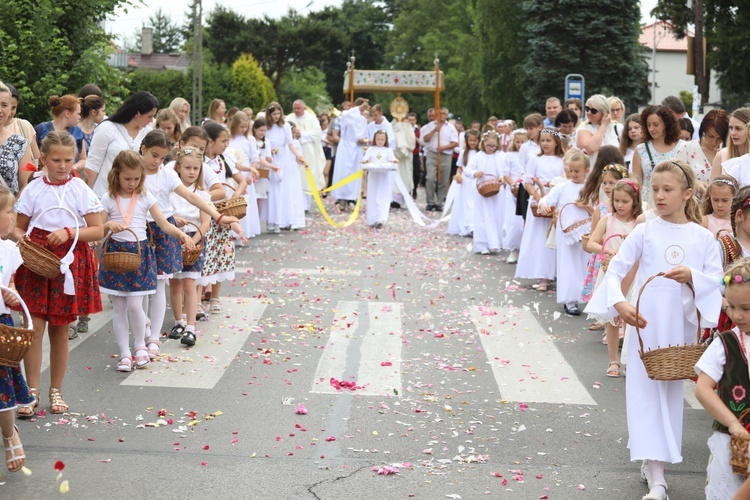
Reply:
x=606 y=209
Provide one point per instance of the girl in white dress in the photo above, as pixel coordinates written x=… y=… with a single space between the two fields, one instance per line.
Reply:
x=725 y=364
x=264 y=163
x=717 y=205
x=674 y=243
x=286 y=204
x=573 y=222
x=488 y=211
x=611 y=231
x=513 y=175
x=535 y=260
x=461 y=222
x=379 y=192
x=246 y=156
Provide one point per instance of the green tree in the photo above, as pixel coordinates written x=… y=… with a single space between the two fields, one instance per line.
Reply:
x=55 y=47
x=501 y=33
x=308 y=85
x=250 y=86
x=168 y=36
x=165 y=85
x=413 y=42
x=727 y=35
x=598 y=40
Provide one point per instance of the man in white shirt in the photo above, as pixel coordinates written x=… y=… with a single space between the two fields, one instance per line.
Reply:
x=552 y=107
x=438 y=138
x=309 y=136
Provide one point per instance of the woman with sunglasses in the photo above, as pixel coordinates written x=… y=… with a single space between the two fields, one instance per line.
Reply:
x=599 y=129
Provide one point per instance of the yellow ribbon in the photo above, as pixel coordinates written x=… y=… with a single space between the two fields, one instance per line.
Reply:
x=316 y=195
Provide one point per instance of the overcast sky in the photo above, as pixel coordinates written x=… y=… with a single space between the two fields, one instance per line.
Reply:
x=126 y=24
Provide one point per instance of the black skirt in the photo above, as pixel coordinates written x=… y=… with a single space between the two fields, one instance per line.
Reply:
x=522 y=201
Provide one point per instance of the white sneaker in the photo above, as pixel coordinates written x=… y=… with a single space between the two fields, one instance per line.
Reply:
x=485 y=252
x=513 y=257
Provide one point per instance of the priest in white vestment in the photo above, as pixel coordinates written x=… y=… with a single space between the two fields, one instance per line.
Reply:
x=310 y=135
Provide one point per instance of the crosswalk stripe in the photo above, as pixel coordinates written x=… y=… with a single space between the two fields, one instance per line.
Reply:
x=202 y=366
x=525 y=362
x=320 y=271
x=364 y=347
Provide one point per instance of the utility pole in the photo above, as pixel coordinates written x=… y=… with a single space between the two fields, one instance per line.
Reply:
x=699 y=55
x=197 y=105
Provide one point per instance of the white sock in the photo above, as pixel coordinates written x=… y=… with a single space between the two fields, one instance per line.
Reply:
x=120 y=324
x=190 y=328
x=181 y=322
x=158 y=309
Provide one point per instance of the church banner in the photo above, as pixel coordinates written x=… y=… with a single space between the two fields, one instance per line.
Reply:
x=393 y=81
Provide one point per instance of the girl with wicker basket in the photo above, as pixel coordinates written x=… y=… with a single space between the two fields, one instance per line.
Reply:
x=126 y=204
x=724 y=365
x=574 y=220
x=162 y=183
x=488 y=220
x=219 y=244
x=183 y=293
x=513 y=175
x=535 y=260
x=13 y=386
x=676 y=245
x=461 y=222
x=606 y=239
x=381 y=164
x=53 y=207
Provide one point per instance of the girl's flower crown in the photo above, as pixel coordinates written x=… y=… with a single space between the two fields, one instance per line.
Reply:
x=519 y=131
x=727 y=182
x=551 y=131
x=737 y=279
x=614 y=167
x=187 y=152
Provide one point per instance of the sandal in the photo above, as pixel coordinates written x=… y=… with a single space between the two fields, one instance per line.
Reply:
x=593 y=327
x=199 y=313
x=542 y=287
x=654 y=496
x=612 y=371
x=141 y=357
x=215 y=306
x=56 y=402
x=188 y=339
x=154 y=349
x=72 y=332
x=11 y=448
x=29 y=410
x=177 y=331
x=125 y=365
x=83 y=324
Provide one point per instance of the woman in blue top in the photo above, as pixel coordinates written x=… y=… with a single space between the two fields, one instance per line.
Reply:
x=66 y=113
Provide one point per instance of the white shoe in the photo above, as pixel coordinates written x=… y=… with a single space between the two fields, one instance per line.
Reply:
x=485 y=252
x=513 y=257
x=658 y=491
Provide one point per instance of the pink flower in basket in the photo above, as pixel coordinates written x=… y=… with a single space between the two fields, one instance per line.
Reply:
x=738 y=393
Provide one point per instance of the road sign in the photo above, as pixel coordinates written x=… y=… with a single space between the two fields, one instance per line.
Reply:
x=575 y=87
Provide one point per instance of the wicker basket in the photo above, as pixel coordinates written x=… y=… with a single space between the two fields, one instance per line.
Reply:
x=514 y=190
x=738 y=449
x=605 y=263
x=576 y=224
x=535 y=210
x=38 y=259
x=190 y=257
x=672 y=362
x=236 y=207
x=15 y=341
x=263 y=173
x=120 y=262
x=489 y=185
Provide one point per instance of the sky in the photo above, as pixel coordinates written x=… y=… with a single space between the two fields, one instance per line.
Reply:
x=127 y=24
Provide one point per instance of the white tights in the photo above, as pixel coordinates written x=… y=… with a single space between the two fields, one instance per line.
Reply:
x=158 y=308
x=656 y=480
x=124 y=309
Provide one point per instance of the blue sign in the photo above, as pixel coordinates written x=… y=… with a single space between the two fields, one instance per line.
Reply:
x=575 y=87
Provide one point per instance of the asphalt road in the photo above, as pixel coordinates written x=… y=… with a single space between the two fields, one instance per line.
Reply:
x=455 y=379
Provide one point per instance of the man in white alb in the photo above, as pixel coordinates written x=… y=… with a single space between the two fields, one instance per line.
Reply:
x=309 y=138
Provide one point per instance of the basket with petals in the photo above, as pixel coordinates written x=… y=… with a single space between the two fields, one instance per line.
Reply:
x=40 y=260
x=674 y=362
x=190 y=257
x=489 y=185
x=235 y=206
x=120 y=262
x=15 y=341
x=738 y=447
